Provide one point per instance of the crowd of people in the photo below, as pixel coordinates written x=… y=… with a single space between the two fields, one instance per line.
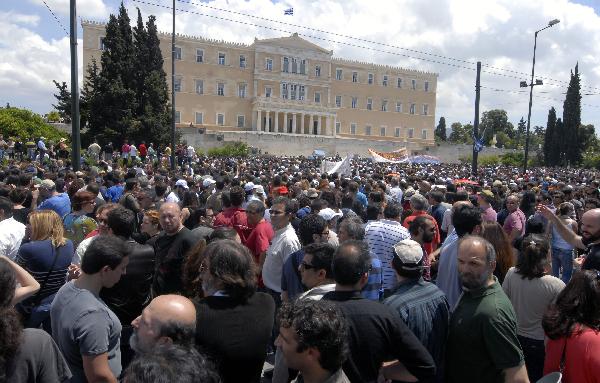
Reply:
x=129 y=271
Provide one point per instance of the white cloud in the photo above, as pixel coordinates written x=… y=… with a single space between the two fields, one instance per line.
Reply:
x=85 y=8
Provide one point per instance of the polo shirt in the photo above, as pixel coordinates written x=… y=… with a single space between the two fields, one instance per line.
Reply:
x=60 y=203
x=284 y=243
x=482 y=341
x=515 y=220
x=381 y=236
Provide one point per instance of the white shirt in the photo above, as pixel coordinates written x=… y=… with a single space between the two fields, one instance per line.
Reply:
x=11 y=235
x=285 y=242
x=381 y=236
x=172 y=197
x=396 y=194
x=83 y=245
x=132 y=151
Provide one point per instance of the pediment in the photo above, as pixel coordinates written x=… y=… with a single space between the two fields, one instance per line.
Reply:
x=292 y=42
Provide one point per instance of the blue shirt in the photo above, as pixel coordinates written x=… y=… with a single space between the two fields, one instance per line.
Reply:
x=114 y=193
x=373 y=290
x=360 y=197
x=447 y=277
x=60 y=203
x=290 y=276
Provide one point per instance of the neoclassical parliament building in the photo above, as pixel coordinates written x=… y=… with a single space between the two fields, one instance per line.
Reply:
x=289 y=85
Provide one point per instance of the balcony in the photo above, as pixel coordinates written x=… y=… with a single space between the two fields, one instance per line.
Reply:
x=277 y=102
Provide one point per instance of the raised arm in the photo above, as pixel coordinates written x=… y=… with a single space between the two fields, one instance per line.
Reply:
x=28 y=284
x=565 y=232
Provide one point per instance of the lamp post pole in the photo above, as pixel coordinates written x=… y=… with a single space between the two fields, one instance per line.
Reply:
x=531 y=85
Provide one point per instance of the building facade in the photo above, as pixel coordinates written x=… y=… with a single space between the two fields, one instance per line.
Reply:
x=289 y=85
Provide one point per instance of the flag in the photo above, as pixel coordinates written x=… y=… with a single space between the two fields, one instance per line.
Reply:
x=289 y=11
x=342 y=167
x=478 y=144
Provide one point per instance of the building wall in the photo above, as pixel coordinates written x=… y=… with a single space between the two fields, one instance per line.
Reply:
x=400 y=127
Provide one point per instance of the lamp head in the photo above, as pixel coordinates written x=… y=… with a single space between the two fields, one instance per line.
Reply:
x=553 y=22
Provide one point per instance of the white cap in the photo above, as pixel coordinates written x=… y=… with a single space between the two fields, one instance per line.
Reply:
x=182 y=183
x=208 y=181
x=329 y=214
x=249 y=186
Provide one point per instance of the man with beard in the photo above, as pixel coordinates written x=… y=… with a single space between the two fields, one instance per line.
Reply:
x=422 y=231
x=482 y=342
x=589 y=239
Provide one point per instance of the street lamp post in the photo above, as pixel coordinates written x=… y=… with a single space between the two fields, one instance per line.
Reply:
x=531 y=85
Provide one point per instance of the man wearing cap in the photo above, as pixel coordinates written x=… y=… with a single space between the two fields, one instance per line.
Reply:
x=53 y=200
x=331 y=216
x=485 y=199
x=42 y=148
x=420 y=304
x=175 y=196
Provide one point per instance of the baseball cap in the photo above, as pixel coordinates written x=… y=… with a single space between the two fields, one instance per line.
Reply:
x=486 y=195
x=182 y=183
x=48 y=184
x=208 y=181
x=249 y=186
x=410 y=254
x=328 y=214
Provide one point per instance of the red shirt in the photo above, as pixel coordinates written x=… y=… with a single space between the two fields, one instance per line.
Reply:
x=143 y=150
x=582 y=359
x=233 y=217
x=125 y=148
x=258 y=242
x=429 y=247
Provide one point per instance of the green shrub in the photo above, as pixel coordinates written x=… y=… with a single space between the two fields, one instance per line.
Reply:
x=234 y=149
x=24 y=124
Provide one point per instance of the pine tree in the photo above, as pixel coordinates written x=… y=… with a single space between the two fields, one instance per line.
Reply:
x=440 y=130
x=572 y=120
x=549 y=154
x=63 y=98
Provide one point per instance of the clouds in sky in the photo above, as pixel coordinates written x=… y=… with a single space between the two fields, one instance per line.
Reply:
x=497 y=32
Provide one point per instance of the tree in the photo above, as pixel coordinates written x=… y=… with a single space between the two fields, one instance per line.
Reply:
x=521 y=135
x=549 y=145
x=461 y=134
x=24 y=124
x=440 y=130
x=63 y=98
x=493 y=122
x=572 y=119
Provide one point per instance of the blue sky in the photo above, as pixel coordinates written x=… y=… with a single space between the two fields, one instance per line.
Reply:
x=35 y=49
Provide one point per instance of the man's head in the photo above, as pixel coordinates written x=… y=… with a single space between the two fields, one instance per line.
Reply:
x=170 y=218
x=485 y=198
x=228 y=266
x=106 y=258
x=313 y=336
x=512 y=203
x=255 y=211
x=121 y=222
x=236 y=196
x=351 y=264
x=435 y=197
x=6 y=208
x=408 y=259
x=282 y=212
x=392 y=211
x=102 y=217
x=590 y=226
x=419 y=203
x=466 y=219
x=315 y=268
x=313 y=229
x=167 y=319
x=351 y=228
x=47 y=188
x=476 y=262
x=422 y=229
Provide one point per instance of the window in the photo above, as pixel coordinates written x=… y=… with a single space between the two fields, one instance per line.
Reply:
x=200 y=86
x=368 y=130
x=177 y=53
x=397 y=133
x=414 y=84
x=399 y=83
x=294 y=65
x=269 y=64
x=268 y=91
x=411 y=133
x=338 y=74
x=354 y=76
x=242 y=61
x=220 y=89
x=338 y=101
x=382 y=131
x=317 y=71
x=284 y=91
x=302 y=66
x=220 y=119
x=424 y=134
x=369 y=104
x=242 y=90
x=241 y=121
x=384 y=105
x=301 y=92
x=338 y=126
x=412 y=108
x=286 y=64
x=101 y=45
x=317 y=97
x=354 y=102
x=425 y=109
x=353 y=128
x=293 y=90
x=385 y=80
x=398 y=107
x=199 y=118
x=221 y=58
x=426 y=86
x=371 y=78
x=177 y=117
x=177 y=85
x=199 y=55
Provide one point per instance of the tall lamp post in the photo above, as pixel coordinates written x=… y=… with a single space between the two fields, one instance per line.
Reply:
x=531 y=85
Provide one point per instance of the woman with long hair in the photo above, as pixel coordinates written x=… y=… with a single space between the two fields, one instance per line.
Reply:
x=531 y=290
x=505 y=253
x=562 y=251
x=190 y=205
x=572 y=325
x=47 y=257
x=25 y=355
x=77 y=223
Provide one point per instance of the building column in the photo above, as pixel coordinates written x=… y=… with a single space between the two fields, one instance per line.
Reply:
x=301 y=131
x=276 y=121
x=293 y=122
x=319 y=130
x=310 y=124
x=334 y=126
x=267 y=124
x=328 y=126
x=285 y=122
x=259 y=121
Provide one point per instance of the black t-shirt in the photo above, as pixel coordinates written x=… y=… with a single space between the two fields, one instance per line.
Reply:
x=592 y=257
x=20 y=215
x=170 y=255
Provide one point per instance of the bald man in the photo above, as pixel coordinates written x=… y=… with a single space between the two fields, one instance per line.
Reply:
x=170 y=248
x=483 y=326
x=168 y=319
x=589 y=239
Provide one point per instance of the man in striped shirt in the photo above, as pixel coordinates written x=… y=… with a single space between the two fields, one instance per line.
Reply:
x=381 y=236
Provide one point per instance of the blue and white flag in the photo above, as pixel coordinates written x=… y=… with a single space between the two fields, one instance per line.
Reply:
x=289 y=11
x=478 y=144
